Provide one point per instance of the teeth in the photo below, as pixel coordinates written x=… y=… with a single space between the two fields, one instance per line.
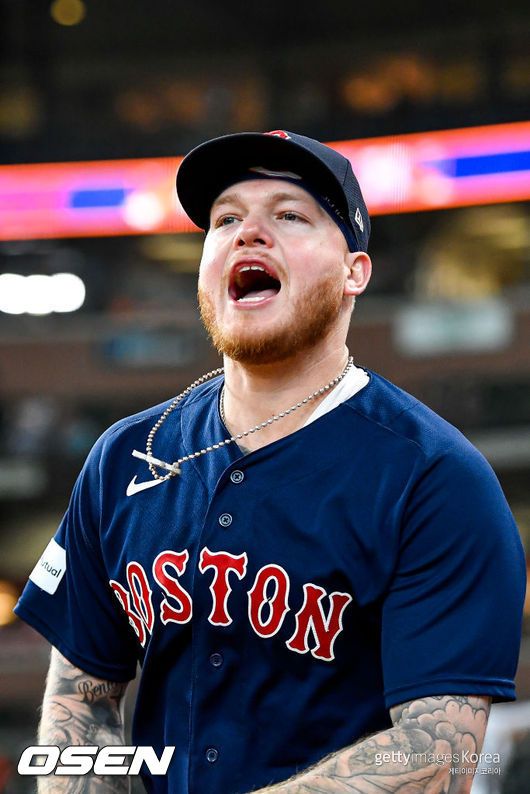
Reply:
x=252 y=267
x=251 y=299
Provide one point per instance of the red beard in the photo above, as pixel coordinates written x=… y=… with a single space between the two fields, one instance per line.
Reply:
x=311 y=314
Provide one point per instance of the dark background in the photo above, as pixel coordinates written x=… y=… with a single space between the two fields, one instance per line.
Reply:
x=147 y=79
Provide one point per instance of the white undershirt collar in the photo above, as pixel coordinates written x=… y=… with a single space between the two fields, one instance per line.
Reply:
x=353 y=382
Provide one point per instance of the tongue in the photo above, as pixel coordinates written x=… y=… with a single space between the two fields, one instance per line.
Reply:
x=256 y=295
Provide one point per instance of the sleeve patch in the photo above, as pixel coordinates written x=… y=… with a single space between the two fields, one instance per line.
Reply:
x=50 y=569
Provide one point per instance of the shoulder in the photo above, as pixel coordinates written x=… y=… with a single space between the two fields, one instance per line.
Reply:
x=398 y=419
x=446 y=483
x=133 y=430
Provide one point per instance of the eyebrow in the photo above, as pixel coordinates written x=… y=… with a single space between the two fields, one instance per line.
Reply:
x=234 y=198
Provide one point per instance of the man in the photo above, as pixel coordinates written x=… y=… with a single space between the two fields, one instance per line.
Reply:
x=316 y=558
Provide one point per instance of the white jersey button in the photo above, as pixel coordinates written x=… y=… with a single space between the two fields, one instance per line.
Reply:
x=212 y=754
x=225 y=519
x=237 y=476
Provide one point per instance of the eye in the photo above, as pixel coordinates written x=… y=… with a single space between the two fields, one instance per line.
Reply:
x=289 y=215
x=225 y=220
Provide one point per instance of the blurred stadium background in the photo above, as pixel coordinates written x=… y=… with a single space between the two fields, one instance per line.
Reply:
x=447 y=315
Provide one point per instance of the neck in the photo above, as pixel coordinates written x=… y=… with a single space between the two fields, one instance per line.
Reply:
x=256 y=392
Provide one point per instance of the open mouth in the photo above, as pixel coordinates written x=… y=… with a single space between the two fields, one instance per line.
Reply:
x=252 y=284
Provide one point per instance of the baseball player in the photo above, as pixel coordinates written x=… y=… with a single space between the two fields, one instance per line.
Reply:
x=319 y=577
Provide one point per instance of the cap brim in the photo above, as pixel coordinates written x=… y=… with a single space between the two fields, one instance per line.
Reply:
x=207 y=170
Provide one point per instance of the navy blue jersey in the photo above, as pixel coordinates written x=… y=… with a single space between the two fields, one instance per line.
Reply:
x=280 y=602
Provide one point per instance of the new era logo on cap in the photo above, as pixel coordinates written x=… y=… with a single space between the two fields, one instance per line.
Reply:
x=359 y=219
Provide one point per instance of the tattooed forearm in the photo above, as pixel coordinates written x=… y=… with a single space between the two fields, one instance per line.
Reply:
x=430 y=748
x=80 y=709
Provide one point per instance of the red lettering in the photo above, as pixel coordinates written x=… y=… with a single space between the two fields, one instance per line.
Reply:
x=124 y=599
x=222 y=562
x=277 y=602
x=311 y=617
x=183 y=611
x=142 y=595
x=268 y=600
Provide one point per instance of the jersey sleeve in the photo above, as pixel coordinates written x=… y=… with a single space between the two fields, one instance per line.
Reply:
x=452 y=615
x=68 y=598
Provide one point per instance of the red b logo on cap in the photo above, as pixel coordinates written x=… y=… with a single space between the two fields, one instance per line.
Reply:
x=279 y=134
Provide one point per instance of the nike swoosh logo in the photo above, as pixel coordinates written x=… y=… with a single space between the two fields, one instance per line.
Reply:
x=135 y=487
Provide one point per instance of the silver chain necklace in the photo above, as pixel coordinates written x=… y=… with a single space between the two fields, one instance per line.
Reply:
x=174 y=468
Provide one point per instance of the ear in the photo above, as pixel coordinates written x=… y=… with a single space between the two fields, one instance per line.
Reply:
x=359 y=270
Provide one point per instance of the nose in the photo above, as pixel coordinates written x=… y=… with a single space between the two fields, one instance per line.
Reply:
x=253 y=231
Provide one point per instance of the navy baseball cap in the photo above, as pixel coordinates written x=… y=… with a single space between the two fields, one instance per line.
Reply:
x=214 y=165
